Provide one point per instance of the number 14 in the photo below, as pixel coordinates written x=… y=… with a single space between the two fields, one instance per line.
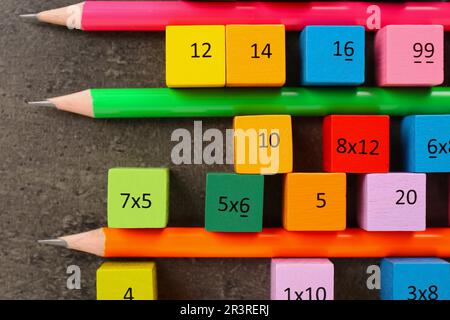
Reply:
x=265 y=52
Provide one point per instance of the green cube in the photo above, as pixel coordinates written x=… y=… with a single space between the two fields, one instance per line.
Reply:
x=138 y=198
x=234 y=202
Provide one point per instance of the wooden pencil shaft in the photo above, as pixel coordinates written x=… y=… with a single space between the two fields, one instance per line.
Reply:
x=229 y=102
x=156 y=15
x=196 y=242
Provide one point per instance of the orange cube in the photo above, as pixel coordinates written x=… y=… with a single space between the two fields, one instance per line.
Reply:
x=256 y=55
x=263 y=144
x=314 y=202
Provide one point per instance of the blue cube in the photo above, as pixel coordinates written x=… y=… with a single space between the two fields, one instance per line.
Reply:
x=332 y=55
x=415 y=279
x=426 y=143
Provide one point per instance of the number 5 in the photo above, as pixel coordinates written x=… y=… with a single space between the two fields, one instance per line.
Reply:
x=321 y=200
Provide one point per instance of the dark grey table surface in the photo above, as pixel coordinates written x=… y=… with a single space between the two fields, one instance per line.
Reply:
x=53 y=165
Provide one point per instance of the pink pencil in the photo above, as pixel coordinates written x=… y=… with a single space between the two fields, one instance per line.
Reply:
x=156 y=15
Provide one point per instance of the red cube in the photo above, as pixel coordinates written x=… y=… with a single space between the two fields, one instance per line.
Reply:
x=356 y=144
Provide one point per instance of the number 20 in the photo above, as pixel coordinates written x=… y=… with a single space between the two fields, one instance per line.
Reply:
x=411 y=197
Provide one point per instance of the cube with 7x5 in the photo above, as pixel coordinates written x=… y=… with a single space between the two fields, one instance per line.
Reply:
x=138 y=197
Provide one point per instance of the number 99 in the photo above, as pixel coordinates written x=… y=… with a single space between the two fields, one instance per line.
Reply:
x=419 y=49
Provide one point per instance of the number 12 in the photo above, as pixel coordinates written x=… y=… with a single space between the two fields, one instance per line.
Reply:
x=205 y=54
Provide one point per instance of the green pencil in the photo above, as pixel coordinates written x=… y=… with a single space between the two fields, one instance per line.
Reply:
x=228 y=102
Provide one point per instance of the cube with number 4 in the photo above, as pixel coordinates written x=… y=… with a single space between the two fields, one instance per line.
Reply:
x=392 y=202
x=138 y=197
x=234 y=203
x=314 y=201
x=127 y=281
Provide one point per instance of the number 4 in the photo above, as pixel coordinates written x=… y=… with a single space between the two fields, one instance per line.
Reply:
x=129 y=294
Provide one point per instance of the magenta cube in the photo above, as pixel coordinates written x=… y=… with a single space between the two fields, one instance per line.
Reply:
x=410 y=55
x=302 y=279
x=392 y=202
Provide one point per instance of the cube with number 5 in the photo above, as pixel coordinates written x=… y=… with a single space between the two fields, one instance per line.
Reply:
x=314 y=202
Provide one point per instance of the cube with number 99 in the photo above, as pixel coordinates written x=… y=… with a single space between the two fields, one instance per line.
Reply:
x=410 y=55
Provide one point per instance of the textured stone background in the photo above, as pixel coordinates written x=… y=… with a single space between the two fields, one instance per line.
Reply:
x=53 y=165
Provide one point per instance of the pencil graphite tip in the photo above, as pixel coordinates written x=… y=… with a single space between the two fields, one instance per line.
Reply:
x=31 y=16
x=44 y=103
x=54 y=242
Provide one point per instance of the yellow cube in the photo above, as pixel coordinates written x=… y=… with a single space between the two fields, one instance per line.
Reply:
x=263 y=144
x=195 y=56
x=314 y=202
x=127 y=281
x=256 y=55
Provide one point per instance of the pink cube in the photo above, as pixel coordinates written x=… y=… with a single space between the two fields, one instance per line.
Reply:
x=302 y=279
x=410 y=55
x=392 y=202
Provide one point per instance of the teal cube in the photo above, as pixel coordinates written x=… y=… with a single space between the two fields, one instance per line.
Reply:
x=138 y=198
x=415 y=279
x=332 y=55
x=234 y=202
x=426 y=143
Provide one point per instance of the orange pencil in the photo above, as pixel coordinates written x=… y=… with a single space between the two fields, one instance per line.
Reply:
x=198 y=243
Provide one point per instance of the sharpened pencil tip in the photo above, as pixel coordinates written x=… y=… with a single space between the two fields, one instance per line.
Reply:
x=33 y=16
x=54 y=242
x=44 y=103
